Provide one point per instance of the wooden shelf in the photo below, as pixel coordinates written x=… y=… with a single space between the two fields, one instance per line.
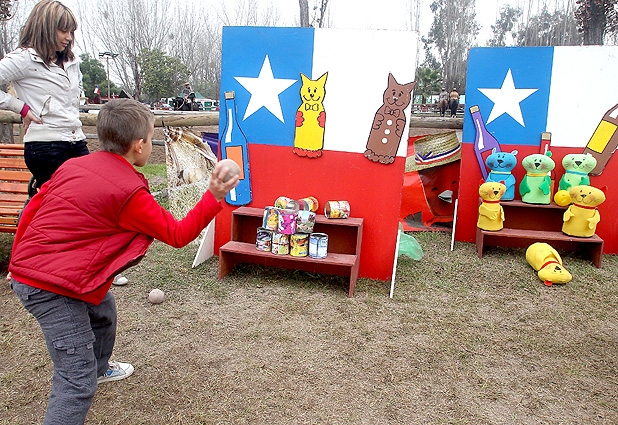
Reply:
x=545 y=225
x=344 y=244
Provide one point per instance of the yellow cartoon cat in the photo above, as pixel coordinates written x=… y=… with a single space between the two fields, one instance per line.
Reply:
x=311 y=118
x=491 y=213
x=547 y=262
x=582 y=217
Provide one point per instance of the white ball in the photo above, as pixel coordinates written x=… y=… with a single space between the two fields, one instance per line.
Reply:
x=156 y=296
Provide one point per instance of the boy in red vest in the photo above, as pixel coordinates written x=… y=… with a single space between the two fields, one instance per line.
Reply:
x=93 y=219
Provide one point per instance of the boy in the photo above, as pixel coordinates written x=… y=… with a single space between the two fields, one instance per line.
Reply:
x=93 y=219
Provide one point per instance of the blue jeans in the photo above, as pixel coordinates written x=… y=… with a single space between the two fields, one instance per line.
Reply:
x=80 y=338
x=44 y=158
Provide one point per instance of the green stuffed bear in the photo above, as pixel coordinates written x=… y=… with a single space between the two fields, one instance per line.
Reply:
x=535 y=187
x=576 y=169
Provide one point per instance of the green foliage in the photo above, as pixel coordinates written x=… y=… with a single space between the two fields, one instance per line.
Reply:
x=427 y=82
x=549 y=29
x=452 y=33
x=94 y=74
x=509 y=16
x=162 y=75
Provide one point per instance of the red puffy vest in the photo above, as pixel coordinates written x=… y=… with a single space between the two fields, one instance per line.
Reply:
x=73 y=240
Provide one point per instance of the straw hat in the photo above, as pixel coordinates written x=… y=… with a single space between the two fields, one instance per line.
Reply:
x=434 y=150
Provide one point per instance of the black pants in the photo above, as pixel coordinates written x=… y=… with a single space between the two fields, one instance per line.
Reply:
x=44 y=158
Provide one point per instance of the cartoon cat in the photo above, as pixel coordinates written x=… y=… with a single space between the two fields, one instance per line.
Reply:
x=576 y=169
x=582 y=217
x=547 y=262
x=535 y=187
x=491 y=213
x=389 y=122
x=500 y=165
x=311 y=118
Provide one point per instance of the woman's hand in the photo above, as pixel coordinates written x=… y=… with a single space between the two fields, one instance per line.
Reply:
x=30 y=117
x=217 y=187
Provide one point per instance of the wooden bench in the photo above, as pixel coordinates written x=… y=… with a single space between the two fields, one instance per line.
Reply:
x=14 y=179
x=344 y=245
x=525 y=224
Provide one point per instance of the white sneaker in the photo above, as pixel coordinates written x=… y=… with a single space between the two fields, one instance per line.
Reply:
x=120 y=280
x=116 y=372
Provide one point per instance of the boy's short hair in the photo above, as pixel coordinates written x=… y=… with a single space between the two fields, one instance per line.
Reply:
x=121 y=122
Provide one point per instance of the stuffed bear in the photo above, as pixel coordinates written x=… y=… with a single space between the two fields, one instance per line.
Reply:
x=576 y=169
x=500 y=165
x=582 y=217
x=546 y=260
x=491 y=213
x=535 y=187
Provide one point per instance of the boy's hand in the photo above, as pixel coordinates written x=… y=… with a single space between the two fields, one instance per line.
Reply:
x=217 y=187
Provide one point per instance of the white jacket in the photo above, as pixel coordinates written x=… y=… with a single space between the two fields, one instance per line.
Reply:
x=51 y=92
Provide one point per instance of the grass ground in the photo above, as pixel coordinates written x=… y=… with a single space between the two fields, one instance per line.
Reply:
x=463 y=341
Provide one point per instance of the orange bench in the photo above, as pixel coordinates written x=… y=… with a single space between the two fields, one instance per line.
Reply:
x=14 y=179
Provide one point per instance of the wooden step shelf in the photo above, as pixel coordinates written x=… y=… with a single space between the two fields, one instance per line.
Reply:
x=525 y=224
x=344 y=244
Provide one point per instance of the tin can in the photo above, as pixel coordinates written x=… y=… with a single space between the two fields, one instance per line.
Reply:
x=299 y=245
x=286 y=221
x=308 y=204
x=282 y=202
x=281 y=244
x=263 y=240
x=305 y=221
x=270 y=219
x=318 y=245
x=337 y=209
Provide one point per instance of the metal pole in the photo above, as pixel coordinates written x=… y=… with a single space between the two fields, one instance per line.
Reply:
x=108 y=90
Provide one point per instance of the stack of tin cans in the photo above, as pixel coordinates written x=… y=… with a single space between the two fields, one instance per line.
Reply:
x=287 y=228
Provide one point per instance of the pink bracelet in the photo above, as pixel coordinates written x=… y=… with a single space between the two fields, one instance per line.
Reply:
x=24 y=110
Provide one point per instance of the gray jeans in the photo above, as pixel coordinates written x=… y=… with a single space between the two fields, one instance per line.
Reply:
x=80 y=338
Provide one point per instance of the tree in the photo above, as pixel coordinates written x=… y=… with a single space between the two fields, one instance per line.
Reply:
x=126 y=27
x=595 y=19
x=505 y=24
x=427 y=82
x=549 y=29
x=162 y=75
x=452 y=33
x=94 y=75
x=304 y=13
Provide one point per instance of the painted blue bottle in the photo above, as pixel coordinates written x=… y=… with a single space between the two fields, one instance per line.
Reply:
x=234 y=147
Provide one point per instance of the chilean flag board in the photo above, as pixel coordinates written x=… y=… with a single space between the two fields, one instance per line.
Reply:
x=525 y=91
x=263 y=67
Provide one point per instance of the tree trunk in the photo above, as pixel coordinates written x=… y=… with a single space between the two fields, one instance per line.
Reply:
x=304 y=13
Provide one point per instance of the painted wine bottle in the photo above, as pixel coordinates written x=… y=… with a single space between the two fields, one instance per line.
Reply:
x=484 y=140
x=234 y=147
x=604 y=140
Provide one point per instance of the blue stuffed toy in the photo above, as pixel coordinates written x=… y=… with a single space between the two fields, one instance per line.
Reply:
x=500 y=165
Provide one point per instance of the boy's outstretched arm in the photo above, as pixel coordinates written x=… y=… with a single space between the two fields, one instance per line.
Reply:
x=144 y=215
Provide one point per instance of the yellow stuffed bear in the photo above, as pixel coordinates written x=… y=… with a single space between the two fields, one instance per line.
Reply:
x=491 y=213
x=582 y=217
x=546 y=260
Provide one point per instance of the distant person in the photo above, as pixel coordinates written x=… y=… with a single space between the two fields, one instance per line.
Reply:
x=62 y=268
x=186 y=92
x=46 y=76
x=454 y=102
x=443 y=101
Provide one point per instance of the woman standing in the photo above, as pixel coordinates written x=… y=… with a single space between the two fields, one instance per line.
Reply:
x=46 y=76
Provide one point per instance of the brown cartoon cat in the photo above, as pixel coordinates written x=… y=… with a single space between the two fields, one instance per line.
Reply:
x=389 y=122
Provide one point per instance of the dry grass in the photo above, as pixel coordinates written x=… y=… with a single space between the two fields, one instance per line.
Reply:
x=463 y=341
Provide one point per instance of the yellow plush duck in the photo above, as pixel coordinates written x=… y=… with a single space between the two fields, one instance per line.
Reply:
x=491 y=213
x=546 y=260
x=582 y=217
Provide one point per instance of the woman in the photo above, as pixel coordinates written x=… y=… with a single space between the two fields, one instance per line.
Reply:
x=46 y=76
